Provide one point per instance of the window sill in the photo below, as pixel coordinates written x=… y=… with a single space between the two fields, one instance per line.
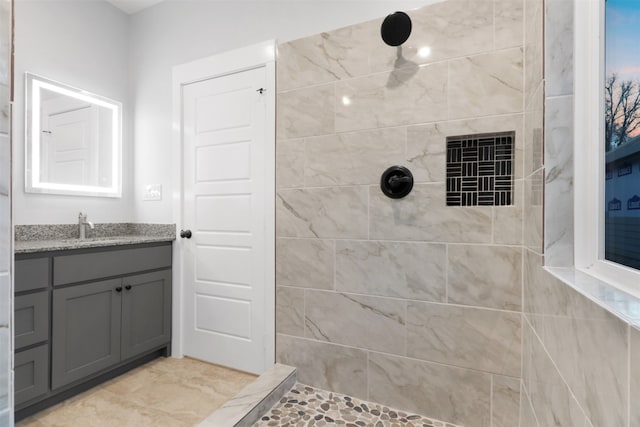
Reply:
x=619 y=303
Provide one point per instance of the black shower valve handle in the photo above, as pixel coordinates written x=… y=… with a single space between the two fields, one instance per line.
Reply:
x=396 y=181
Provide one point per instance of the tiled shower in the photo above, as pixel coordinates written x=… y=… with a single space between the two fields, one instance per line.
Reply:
x=408 y=302
x=441 y=310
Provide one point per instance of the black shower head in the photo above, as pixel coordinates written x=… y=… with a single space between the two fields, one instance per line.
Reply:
x=396 y=28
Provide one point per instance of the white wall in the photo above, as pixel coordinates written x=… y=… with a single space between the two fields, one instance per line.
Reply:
x=83 y=44
x=175 y=32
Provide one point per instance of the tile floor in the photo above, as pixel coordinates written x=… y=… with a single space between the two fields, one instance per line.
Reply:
x=308 y=406
x=162 y=393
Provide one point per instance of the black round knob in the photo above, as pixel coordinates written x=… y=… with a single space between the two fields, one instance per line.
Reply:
x=396 y=182
x=119 y=289
x=185 y=234
x=128 y=287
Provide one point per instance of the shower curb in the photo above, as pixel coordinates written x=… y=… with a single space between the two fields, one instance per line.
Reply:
x=245 y=408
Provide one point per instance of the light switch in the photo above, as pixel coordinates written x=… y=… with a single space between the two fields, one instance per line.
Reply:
x=152 y=192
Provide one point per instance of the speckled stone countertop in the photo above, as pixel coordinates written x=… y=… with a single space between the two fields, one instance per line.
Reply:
x=56 y=237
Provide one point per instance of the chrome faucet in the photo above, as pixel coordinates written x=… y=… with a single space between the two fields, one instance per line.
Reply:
x=82 y=221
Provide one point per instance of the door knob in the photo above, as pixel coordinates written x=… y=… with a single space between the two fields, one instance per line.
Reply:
x=185 y=234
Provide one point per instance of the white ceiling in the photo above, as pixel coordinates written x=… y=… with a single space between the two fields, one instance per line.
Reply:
x=133 y=6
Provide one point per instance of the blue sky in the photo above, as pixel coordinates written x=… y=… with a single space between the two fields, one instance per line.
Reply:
x=623 y=38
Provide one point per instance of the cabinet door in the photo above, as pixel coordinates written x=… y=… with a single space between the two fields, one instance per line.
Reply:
x=146 y=312
x=31 y=319
x=31 y=373
x=86 y=330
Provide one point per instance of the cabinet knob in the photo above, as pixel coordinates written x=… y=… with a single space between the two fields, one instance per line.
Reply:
x=128 y=287
x=185 y=233
x=119 y=289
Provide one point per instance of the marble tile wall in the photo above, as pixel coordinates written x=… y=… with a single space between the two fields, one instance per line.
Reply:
x=6 y=387
x=580 y=364
x=558 y=138
x=408 y=302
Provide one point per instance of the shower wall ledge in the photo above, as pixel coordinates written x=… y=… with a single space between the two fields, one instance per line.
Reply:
x=624 y=306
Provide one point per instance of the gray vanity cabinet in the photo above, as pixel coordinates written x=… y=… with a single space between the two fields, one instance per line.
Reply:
x=85 y=330
x=84 y=316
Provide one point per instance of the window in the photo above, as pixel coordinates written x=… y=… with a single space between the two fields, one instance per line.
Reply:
x=621 y=142
x=607 y=141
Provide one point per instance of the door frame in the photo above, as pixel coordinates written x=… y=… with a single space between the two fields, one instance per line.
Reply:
x=258 y=55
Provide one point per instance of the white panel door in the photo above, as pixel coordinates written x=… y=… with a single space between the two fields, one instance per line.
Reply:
x=68 y=143
x=224 y=207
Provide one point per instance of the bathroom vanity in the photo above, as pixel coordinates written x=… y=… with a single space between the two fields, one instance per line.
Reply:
x=86 y=314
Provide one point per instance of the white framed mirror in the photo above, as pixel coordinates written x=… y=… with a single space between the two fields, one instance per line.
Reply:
x=73 y=140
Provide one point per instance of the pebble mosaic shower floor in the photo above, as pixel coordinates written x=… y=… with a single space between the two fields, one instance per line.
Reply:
x=308 y=406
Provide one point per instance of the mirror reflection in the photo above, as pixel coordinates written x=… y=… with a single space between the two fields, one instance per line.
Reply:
x=73 y=140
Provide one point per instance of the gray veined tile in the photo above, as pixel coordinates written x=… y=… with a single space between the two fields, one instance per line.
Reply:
x=305 y=263
x=559 y=30
x=426 y=144
x=423 y=215
x=290 y=311
x=352 y=158
x=486 y=340
x=506 y=401
x=427 y=151
x=325 y=365
x=537 y=299
x=5 y=108
x=533 y=211
x=325 y=57
x=527 y=416
x=290 y=163
x=305 y=112
x=507 y=220
x=509 y=23
x=589 y=346
x=551 y=399
x=405 y=270
x=338 y=212
x=457 y=395
x=440 y=31
x=533 y=47
x=404 y=96
x=485 y=276
x=486 y=84
x=534 y=136
x=373 y=323
x=558 y=191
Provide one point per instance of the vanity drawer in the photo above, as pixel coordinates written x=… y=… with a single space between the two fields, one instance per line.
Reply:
x=99 y=265
x=31 y=319
x=31 y=274
x=31 y=376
